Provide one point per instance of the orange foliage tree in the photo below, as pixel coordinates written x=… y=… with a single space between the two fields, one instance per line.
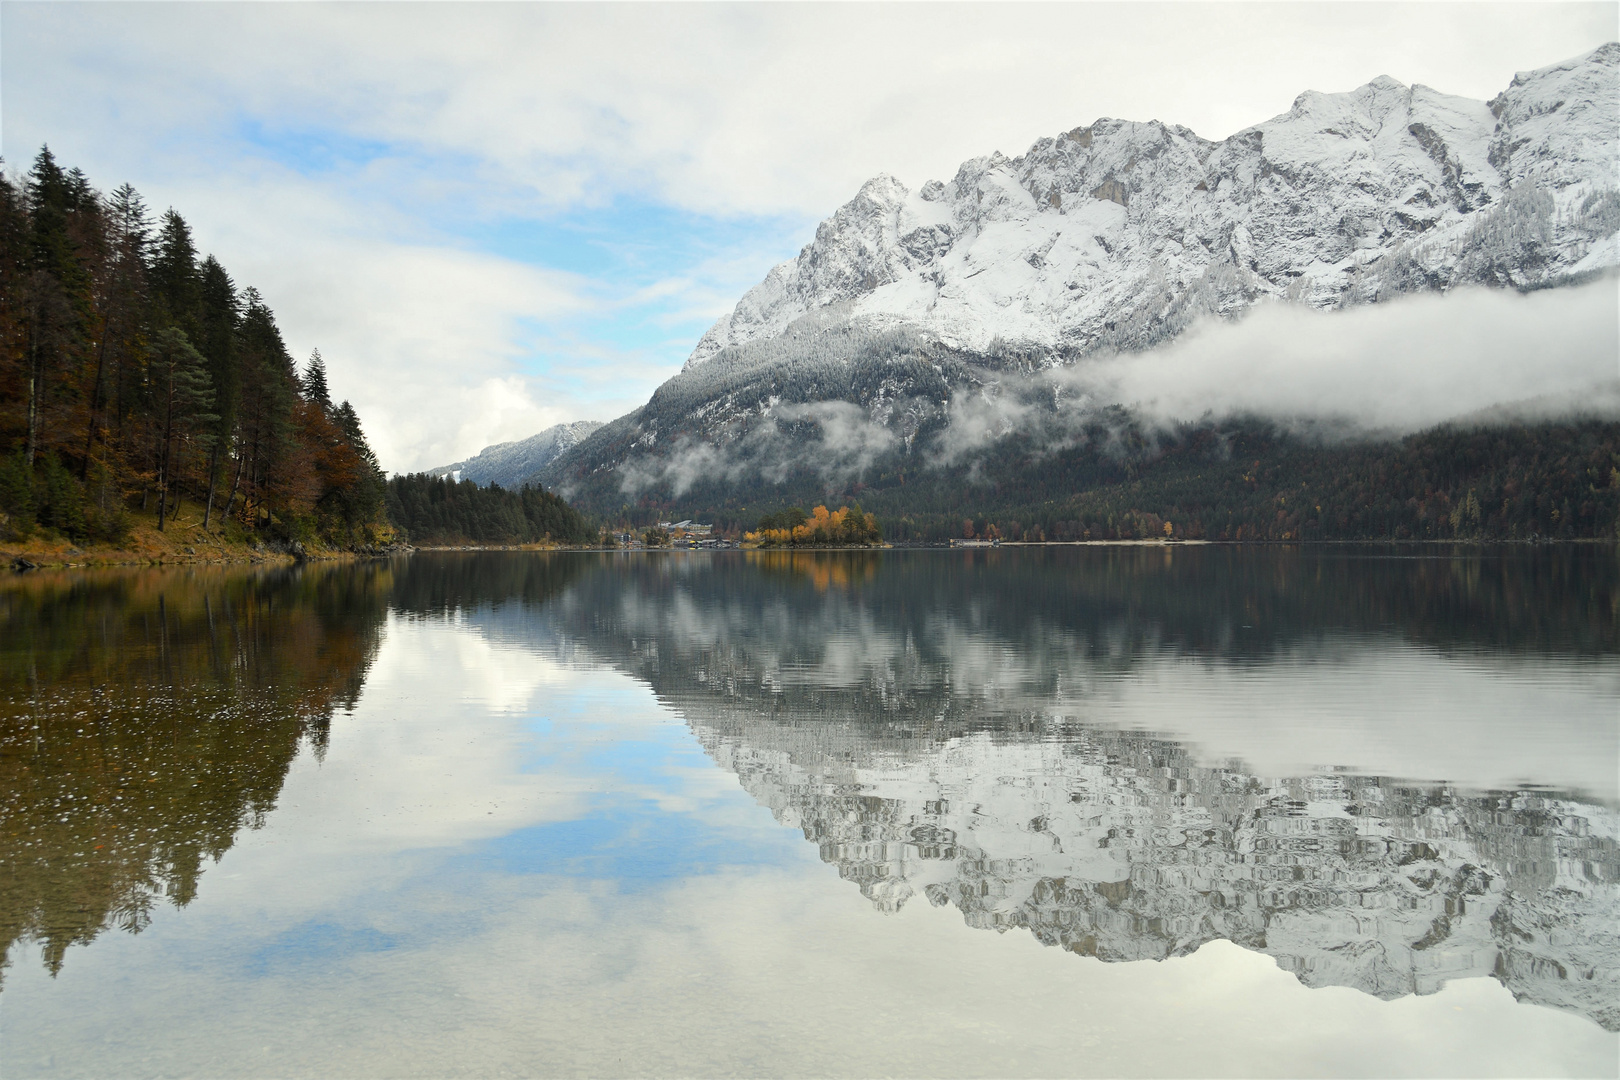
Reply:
x=848 y=526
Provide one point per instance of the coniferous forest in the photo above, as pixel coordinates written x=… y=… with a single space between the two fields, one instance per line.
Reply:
x=1237 y=481
x=438 y=510
x=137 y=376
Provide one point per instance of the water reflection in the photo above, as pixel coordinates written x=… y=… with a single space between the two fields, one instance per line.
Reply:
x=950 y=727
x=146 y=716
x=1386 y=772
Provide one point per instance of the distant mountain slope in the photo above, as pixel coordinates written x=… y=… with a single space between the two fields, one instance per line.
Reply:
x=510 y=464
x=1121 y=232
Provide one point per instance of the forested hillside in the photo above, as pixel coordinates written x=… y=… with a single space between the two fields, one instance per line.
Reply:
x=438 y=510
x=1231 y=481
x=136 y=375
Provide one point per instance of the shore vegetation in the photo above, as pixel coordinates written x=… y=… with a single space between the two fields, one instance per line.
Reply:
x=848 y=526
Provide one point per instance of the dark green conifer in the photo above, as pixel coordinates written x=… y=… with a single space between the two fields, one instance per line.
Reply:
x=314 y=382
x=220 y=314
x=187 y=395
x=174 y=273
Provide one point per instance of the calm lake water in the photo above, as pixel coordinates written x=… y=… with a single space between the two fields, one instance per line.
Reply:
x=1139 y=811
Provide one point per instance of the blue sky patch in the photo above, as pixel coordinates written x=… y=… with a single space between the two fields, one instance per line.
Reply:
x=317 y=942
x=635 y=844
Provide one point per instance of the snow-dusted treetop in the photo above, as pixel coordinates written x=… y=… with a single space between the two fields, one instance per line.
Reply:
x=1121 y=232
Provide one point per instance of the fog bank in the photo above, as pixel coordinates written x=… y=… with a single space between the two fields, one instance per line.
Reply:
x=1391 y=368
x=1377 y=371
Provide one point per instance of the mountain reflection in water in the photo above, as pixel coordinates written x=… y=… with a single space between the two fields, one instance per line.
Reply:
x=928 y=722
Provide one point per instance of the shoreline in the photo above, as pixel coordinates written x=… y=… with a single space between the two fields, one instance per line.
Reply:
x=181 y=544
x=190 y=549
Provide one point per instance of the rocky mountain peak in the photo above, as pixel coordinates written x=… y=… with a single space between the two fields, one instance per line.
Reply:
x=1120 y=233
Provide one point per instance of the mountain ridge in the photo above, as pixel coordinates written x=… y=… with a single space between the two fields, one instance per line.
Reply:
x=1115 y=234
x=510 y=464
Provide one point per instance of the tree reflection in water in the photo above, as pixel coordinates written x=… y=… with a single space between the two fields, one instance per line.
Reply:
x=933 y=722
x=148 y=715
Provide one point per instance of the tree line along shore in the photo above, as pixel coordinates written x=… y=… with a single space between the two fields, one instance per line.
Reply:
x=144 y=392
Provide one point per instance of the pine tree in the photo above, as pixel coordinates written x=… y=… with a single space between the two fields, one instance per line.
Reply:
x=314 y=382
x=174 y=273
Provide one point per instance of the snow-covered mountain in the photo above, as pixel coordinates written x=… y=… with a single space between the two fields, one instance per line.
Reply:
x=1121 y=232
x=509 y=464
x=919 y=329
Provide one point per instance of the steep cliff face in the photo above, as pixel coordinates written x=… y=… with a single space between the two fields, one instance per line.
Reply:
x=1120 y=233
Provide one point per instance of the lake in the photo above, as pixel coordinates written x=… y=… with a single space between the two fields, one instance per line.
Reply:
x=1048 y=811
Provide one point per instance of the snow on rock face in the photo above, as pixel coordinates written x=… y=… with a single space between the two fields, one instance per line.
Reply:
x=1558 y=125
x=1120 y=233
x=1119 y=845
x=511 y=464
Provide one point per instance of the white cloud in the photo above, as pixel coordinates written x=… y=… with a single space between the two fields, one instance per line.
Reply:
x=424 y=339
x=1398 y=367
x=726 y=108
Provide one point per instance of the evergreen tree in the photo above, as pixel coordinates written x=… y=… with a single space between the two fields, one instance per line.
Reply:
x=15 y=372
x=127 y=291
x=314 y=382
x=268 y=389
x=221 y=312
x=437 y=510
x=174 y=273
x=58 y=294
x=128 y=367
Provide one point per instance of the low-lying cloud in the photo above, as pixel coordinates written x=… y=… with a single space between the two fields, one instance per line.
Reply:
x=1390 y=368
x=834 y=440
x=1379 y=371
x=1375 y=372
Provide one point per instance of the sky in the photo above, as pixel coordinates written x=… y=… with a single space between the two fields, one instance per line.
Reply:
x=491 y=218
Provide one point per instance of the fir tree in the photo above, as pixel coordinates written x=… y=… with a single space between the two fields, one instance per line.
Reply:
x=174 y=271
x=314 y=382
